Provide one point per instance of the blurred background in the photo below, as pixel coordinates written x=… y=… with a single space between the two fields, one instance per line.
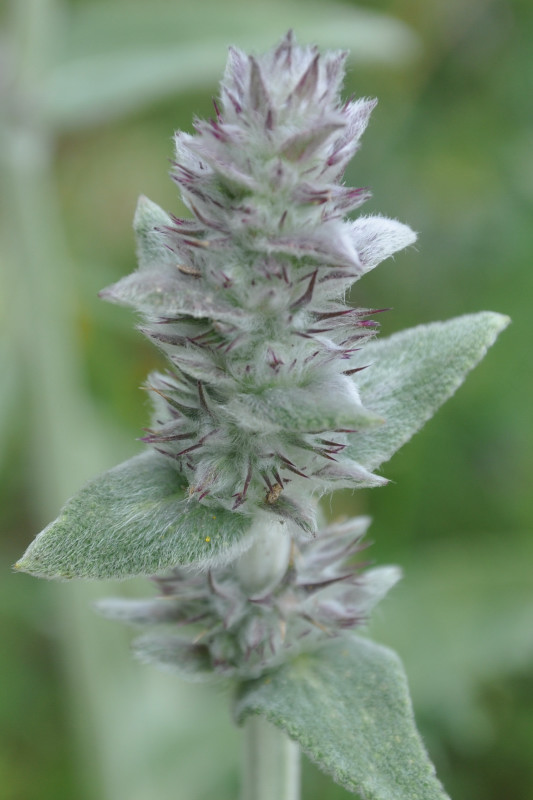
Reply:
x=90 y=94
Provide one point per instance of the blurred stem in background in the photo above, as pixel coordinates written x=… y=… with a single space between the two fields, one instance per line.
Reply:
x=69 y=443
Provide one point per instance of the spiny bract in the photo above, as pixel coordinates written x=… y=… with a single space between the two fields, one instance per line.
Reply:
x=247 y=298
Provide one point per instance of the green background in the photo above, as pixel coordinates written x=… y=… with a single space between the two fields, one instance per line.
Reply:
x=90 y=93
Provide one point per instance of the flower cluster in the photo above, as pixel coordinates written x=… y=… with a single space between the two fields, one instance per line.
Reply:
x=246 y=298
x=319 y=592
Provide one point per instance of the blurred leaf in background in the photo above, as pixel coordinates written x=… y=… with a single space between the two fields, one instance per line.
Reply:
x=90 y=93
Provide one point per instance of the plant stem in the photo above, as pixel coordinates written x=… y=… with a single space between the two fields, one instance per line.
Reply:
x=271 y=763
x=271 y=767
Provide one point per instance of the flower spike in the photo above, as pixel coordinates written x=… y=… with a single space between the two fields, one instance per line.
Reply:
x=251 y=289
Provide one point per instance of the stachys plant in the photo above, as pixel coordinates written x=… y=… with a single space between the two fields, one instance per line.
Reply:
x=275 y=393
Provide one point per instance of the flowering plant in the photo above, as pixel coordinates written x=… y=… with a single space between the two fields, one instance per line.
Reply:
x=276 y=393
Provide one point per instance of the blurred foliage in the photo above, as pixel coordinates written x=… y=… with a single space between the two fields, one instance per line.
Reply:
x=90 y=92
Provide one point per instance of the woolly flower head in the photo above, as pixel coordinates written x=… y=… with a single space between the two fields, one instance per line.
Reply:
x=237 y=631
x=246 y=297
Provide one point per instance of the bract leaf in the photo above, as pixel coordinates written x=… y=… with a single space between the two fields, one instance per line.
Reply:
x=176 y=654
x=163 y=293
x=348 y=706
x=158 y=287
x=135 y=519
x=155 y=611
x=412 y=373
x=377 y=238
x=151 y=249
x=307 y=410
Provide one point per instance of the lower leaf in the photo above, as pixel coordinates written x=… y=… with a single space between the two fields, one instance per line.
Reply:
x=348 y=706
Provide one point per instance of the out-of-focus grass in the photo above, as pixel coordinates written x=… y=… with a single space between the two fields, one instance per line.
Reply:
x=448 y=151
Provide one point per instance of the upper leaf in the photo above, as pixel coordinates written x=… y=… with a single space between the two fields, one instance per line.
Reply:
x=158 y=286
x=377 y=238
x=163 y=292
x=148 y=220
x=412 y=373
x=135 y=519
x=348 y=706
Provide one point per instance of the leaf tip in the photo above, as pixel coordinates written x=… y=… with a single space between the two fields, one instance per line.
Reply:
x=501 y=321
x=27 y=565
x=492 y=324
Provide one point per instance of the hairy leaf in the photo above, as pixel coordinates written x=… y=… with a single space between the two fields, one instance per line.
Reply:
x=159 y=286
x=135 y=519
x=176 y=654
x=151 y=249
x=303 y=410
x=412 y=373
x=155 y=611
x=163 y=292
x=348 y=706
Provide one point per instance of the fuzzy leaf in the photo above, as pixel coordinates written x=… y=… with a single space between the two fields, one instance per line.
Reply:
x=135 y=519
x=164 y=292
x=303 y=144
x=158 y=287
x=151 y=248
x=378 y=238
x=412 y=373
x=155 y=611
x=348 y=706
x=319 y=408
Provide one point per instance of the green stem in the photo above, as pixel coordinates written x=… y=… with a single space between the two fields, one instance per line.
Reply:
x=271 y=768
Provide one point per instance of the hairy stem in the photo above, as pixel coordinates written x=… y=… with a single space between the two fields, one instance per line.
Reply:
x=271 y=767
x=263 y=566
x=271 y=763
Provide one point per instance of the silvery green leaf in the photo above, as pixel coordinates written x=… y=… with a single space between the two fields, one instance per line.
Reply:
x=344 y=601
x=164 y=292
x=346 y=474
x=175 y=654
x=348 y=706
x=158 y=287
x=135 y=519
x=412 y=373
x=377 y=238
x=303 y=516
x=155 y=611
x=151 y=250
x=313 y=409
